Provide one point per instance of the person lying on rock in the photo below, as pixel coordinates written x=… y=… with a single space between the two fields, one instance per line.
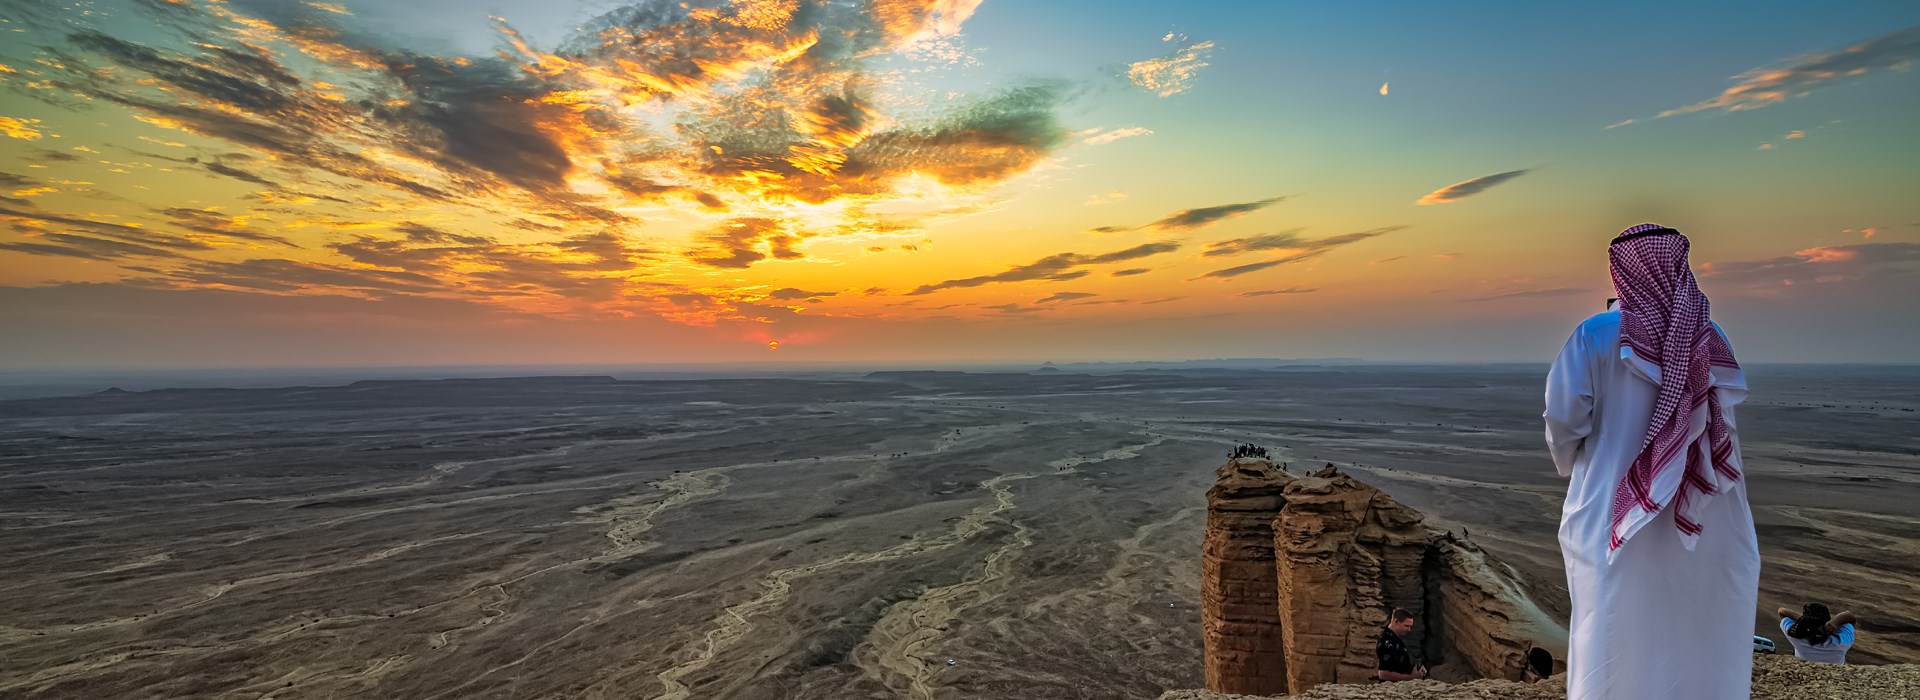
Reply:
x=1395 y=663
x=1816 y=635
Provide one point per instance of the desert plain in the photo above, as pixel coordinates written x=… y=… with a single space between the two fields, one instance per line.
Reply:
x=1013 y=534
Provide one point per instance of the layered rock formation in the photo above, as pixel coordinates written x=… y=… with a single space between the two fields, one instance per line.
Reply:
x=1774 y=678
x=1244 y=651
x=1342 y=555
x=1345 y=555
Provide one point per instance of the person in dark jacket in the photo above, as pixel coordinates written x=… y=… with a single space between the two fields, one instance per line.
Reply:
x=1396 y=664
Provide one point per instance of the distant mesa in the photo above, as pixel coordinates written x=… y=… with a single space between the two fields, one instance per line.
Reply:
x=112 y=390
x=564 y=380
x=1048 y=369
x=914 y=373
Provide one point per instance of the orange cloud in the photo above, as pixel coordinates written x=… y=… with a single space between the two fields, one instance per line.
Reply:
x=1826 y=255
x=740 y=108
x=20 y=128
x=1462 y=190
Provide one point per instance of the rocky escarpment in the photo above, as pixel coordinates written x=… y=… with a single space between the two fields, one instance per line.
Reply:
x=1342 y=555
x=1345 y=556
x=1774 y=678
x=1244 y=650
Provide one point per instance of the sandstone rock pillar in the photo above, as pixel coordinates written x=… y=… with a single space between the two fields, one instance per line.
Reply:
x=1245 y=653
x=1344 y=555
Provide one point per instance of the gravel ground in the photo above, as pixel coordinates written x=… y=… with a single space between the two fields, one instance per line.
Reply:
x=1774 y=678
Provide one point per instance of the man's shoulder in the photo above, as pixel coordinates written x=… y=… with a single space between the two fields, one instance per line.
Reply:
x=1601 y=323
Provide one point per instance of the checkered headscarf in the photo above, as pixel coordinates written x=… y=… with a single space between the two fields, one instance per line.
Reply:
x=1664 y=320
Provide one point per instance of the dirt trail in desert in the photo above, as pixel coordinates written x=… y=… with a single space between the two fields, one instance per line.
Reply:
x=899 y=650
x=734 y=622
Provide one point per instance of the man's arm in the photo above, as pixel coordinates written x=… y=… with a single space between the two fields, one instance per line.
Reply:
x=1785 y=613
x=1569 y=414
x=1841 y=620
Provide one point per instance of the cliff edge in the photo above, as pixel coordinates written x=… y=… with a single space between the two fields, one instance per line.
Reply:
x=1299 y=573
x=1774 y=678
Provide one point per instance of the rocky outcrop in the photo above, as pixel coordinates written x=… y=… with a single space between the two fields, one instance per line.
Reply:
x=1484 y=616
x=1242 y=635
x=1345 y=555
x=1340 y=556
x=1774 y=678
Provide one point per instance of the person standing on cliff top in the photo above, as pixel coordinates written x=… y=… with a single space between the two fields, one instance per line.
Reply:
x=1395 y=663
x=1663 y=565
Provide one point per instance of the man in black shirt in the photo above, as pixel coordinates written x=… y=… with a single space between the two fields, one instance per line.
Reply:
x=1395 y=663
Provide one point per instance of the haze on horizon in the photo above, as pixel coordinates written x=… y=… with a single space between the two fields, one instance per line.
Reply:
x=255 y=183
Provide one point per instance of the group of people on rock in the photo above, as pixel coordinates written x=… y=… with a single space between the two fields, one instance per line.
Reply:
x=1247 y=450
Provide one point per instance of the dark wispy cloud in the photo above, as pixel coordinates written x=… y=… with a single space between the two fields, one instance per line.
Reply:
x=1461 y=190
x=216 y=224
x=1136 y=252
x=1063 y=296
x=791 y=293
x=1546 y=292
x=88 y=247
x=606 y=251
x=281 y=275
x=1271 y=292
x=219 y=168
x=1238 y=270
x=1292 y=240
x=1202 y=216
x=1058 y=267
x=422 y=233
x=1297 y=248
x=1798 y=76
x=52 y=156
x=742 y=242
x=1131 y=271
x=1012 y=308
x=14 y=181
x=30 y=221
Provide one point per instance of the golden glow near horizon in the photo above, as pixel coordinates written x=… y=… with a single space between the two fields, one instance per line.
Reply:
x=852 y=181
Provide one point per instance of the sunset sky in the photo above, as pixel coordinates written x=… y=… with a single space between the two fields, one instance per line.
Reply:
x=269 y=183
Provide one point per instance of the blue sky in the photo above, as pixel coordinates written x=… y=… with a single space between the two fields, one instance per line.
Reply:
x=402 y=183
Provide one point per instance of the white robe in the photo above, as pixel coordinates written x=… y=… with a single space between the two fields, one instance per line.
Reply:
x=1660 y=621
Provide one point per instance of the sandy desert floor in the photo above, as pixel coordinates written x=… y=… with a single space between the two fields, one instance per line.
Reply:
x=920 y=535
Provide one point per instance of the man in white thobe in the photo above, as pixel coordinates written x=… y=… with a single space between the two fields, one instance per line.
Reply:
x=1662 y=561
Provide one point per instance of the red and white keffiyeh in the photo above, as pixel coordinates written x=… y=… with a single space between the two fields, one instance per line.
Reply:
x=1687 y=456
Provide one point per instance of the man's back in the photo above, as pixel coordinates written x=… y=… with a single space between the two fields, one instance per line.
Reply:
x=1832 y=650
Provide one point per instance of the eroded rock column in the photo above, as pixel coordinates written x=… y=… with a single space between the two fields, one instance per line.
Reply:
x=1245 y=651
x=1345 y=554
